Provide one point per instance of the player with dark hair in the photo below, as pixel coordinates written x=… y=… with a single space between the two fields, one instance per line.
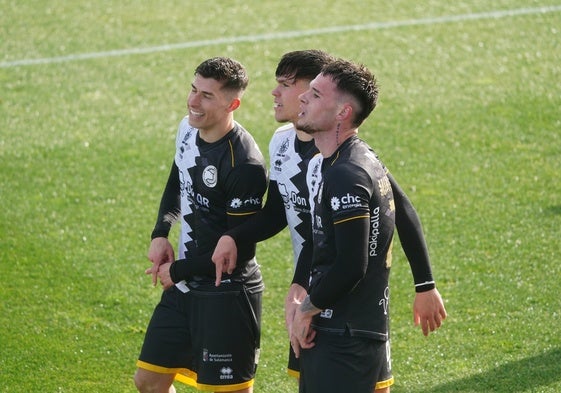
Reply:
x=290 y=151
x=199 y=334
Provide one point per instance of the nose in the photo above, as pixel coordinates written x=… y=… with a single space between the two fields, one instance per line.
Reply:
x=275 y=91
x=192 y=99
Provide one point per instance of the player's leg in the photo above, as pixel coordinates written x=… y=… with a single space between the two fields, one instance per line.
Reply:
x=383 y=358
x=354 y=365
x=167 y=348
x=152 y=382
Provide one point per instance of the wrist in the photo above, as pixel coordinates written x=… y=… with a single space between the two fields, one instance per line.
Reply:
x=159 y=233
x=425 y=286
x=307 y=307
x=173 y=272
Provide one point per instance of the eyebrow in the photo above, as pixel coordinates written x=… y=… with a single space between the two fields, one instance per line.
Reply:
x=210 y=93
x=315 y=90
x=286 y=79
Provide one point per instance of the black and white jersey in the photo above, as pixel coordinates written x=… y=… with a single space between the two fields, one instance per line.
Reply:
x=219 y=182
x=289 y=159
x=352 y=204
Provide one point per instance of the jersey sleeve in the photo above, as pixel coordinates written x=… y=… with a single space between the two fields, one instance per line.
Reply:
x=409 y=228
x=304 y=263
x=265 y=223
x=350 y=264
x=170 y=208
x=246 y=186
x=351 y=226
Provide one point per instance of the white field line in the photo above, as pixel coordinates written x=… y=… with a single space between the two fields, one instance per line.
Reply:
x=284 y=35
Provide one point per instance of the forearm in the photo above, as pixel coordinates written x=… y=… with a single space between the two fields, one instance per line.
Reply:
x=265 y=223
x=187 y=268
x=409 y=228
x=303 y=265
x=170 y=205
x=351 y=261
x=199 y=263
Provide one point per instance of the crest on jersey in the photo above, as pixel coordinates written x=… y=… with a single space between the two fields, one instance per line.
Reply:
x=284 y=147
x=210 y=176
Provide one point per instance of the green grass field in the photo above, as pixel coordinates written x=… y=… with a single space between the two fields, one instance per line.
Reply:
x=469 y=122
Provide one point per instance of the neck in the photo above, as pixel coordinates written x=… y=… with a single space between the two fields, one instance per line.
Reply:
x=328 y=142
x=216 y=133
x=302 y=136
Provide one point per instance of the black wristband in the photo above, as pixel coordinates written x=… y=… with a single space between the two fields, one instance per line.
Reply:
x=425 y=286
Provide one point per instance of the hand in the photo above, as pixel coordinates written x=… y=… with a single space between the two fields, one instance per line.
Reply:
x=301 y=333
x=224 y=257
x=294 y=298
x=165 y=278
x=428 y=310
x=161 y=251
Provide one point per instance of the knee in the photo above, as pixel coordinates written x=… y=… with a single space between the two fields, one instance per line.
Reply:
x=140 y=382
x=149 y=382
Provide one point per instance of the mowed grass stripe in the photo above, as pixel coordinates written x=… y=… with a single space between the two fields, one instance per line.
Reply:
x=284 y=35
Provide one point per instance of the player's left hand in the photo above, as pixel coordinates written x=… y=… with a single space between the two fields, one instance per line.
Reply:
x=428 y=311
x=164 y=276
x=293 y=299
x=301 y=333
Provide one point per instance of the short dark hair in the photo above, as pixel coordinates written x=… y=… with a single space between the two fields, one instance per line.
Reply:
x=302 y=64
x=357 y=81
x=229 y=72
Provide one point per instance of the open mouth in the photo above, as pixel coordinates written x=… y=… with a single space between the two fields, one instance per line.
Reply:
x=195 y=113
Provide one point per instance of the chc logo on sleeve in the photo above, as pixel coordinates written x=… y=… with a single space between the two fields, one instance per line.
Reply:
x=345 y=202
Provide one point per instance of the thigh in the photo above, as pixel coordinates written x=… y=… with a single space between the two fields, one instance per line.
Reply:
x=167 y=345
x=344 y=364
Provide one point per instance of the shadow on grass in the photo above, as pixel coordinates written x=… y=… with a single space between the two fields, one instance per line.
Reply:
x=522 y=375
x=554 y=210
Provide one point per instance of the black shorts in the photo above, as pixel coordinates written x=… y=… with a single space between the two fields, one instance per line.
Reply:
x=340 y=363
x=209 y=337
x=293 y=363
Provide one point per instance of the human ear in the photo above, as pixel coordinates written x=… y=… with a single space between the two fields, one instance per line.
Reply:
x=345 y=112
x=234 y=104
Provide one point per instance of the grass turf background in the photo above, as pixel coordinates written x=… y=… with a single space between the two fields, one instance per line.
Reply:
x=468 y=122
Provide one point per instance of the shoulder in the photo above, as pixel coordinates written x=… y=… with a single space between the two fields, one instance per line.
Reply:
x=282 y=135
x=359 y=153
x=241 y=136
x=243 y=146
x=184 y=125
x=185 y=131
x=287 y=129
x=355 y=160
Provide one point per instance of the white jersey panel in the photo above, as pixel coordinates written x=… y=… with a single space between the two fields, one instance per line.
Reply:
x=288 y=169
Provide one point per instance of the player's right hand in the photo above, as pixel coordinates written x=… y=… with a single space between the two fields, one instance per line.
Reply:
x=160 y=252
x=224 y=257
